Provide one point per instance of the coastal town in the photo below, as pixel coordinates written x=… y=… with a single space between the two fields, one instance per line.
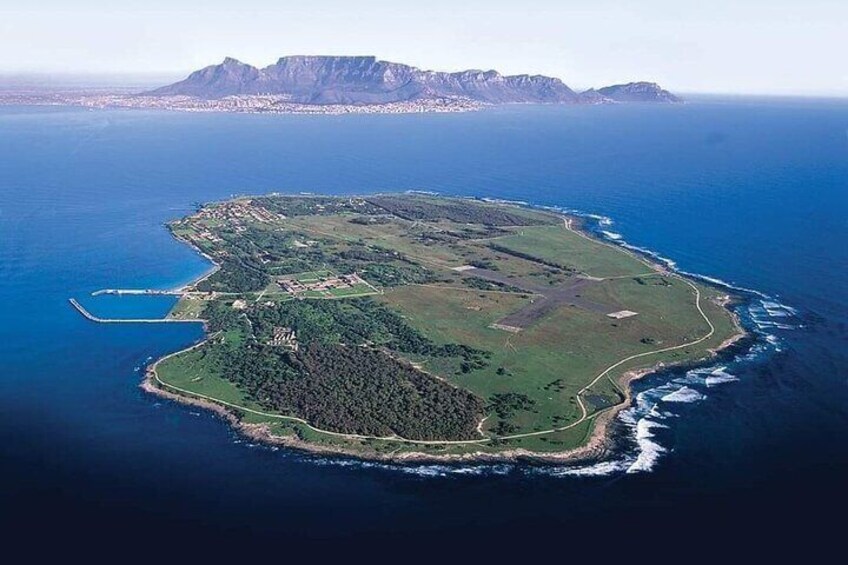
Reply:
x=243 y=104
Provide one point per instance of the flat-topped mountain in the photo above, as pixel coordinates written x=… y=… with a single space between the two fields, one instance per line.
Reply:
x=366 y=80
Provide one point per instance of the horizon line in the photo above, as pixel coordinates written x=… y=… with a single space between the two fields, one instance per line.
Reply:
x=178 y=75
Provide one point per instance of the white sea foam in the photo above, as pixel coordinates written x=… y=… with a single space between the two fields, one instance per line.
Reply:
x=645 y=427
x=684 y=394
x=649 y=449
x=720 y=376
x=423 y=470
x=669 y=263
x=601 y=469
x=766 y=314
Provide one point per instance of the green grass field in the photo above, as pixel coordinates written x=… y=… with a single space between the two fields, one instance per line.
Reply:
x=188 y=308
x=313 y=276
x=561 y=246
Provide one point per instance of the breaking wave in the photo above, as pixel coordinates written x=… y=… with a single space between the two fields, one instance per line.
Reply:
x=684 y=394
x=643 y=422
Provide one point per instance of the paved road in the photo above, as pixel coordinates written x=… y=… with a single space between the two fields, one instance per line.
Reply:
x=549 y=298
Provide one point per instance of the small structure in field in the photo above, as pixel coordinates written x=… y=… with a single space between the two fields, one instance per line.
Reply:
x=621 y=314
x=326 y=286
x=506 y=328
x=283 y=337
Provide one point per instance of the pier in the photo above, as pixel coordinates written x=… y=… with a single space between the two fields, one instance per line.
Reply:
x=91 y=317
x=135 y=291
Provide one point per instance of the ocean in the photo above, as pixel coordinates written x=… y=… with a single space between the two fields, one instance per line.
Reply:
x=752 y=448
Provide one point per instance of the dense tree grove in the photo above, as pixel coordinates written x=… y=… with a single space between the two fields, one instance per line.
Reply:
x=505 y=405
x=357 y=321
x=220 y=316
x=485 y=284
x=344 y=377
x=353 y=389
x=396 y=274
x=371 y=220
x=528 y=257
x=234 y=276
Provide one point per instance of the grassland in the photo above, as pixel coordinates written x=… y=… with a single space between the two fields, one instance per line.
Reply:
x=444 y=276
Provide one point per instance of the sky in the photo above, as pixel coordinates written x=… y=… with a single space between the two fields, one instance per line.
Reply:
x=717 y=46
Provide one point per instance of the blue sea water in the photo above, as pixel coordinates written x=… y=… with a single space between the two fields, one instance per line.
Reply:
x=753 y=192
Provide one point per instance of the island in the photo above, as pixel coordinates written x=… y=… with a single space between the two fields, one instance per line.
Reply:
x=420 y=327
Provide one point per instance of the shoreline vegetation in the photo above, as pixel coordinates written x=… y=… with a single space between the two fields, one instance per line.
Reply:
x=506 y=425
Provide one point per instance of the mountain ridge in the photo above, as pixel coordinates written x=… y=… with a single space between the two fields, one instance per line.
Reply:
x=327 y=80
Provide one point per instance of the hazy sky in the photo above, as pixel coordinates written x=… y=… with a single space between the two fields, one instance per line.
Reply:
x=741 y=46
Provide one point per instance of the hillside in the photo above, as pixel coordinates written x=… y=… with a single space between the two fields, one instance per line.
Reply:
x=325 y=80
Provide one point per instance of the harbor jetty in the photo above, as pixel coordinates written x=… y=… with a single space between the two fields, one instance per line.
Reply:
x=135 y=291
x=91 y=317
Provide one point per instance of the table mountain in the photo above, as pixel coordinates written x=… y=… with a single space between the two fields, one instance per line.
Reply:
x=366 y=80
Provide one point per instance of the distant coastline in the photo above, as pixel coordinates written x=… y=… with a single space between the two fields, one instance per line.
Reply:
x=248 y=104
x=337 y=85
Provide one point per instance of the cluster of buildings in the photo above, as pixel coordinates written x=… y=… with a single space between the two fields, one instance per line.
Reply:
x=237 y=212
x=271 y=104
x=296 y=287
x=283 y=337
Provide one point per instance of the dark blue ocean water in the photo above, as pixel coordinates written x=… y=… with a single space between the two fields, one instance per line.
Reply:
x=753 y=449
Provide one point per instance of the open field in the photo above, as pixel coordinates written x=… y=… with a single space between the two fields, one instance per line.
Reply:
x=568 y=249
x=188 y=307
x=502 y=312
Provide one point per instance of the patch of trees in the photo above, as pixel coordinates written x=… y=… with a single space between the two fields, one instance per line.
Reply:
x=371 y=220
x=344 y=376
x=504 y=428
x=529 y=257
x=466 y=233
x=235 y=276
x=506 y=404
x=220 y=316
x=371 y=254
x=393 y=274
x=356 y=390
x=557 y=385
x=484 y=264
x=357 y=321
x=485 y=284
x=456 y=210
x=652 y=281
